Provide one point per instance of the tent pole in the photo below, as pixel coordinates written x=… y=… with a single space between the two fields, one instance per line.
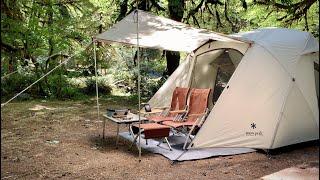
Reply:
x=97 y=90
x=139 y=79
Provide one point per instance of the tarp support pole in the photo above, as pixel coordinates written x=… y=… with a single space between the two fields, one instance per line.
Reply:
x=97 y=90
x=139 y=79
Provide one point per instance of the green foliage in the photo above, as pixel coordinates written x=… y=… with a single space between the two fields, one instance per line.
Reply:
x=61 y=89
x=71 y=93
x=103 y=86
x=125 y=73
x=16 y=83
x=31 y=31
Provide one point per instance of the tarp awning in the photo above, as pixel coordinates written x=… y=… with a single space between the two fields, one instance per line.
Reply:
x=160 y=33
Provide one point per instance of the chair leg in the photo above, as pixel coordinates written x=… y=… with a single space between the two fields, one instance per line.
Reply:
x=146 y=141
x=134 y=141
x=129 y=128
x=160 y=141
x=187 y=138
x=166 y=139
x=173 y=132
x=185 y=144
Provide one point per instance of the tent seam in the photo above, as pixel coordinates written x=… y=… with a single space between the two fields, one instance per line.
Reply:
x=291 y=75
x=281 y=114
x=307 y=103
x=298 y=87
x=305 y=45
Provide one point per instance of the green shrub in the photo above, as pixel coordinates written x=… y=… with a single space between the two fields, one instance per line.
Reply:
x=71 y=93
x=17 y=82
x=103 y=86
x=56 y=82
x=150 y=86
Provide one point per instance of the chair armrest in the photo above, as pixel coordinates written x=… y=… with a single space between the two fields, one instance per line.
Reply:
x=201 y=117
x=157 y=110
x=178 y=111
x=153 y=111
x=201 y=114
x=163 y=107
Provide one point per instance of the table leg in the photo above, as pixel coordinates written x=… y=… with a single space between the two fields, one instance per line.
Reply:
x=130 y=131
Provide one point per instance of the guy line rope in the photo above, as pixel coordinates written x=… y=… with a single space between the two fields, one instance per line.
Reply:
x=61 y=63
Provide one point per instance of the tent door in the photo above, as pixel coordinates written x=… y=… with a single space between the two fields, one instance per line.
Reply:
x=213 y=69
x=225 y=69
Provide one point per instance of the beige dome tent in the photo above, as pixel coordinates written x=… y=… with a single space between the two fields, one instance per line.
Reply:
x=270 y=99
x=265 y=82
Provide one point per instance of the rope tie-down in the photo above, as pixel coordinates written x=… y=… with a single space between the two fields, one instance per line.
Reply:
x=49 y=72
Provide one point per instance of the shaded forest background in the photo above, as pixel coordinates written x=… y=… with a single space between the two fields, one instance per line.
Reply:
x=36 y=35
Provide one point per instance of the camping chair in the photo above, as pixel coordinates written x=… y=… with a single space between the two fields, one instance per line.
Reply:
x=196 y=115
x=177 y=108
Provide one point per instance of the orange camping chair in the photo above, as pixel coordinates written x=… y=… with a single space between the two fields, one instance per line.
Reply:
x=178 y=106
x=197 y=112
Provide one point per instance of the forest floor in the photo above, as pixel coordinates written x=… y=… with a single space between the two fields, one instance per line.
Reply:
x=62 y=139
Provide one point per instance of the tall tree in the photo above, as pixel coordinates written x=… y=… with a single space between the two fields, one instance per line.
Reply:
x=35 y=30
x=293 y=10
x=176 y=10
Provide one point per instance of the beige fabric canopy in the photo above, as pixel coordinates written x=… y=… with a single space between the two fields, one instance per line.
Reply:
x=160 y=33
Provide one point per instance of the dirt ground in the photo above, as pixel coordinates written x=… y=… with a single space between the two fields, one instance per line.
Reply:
x=62 y=139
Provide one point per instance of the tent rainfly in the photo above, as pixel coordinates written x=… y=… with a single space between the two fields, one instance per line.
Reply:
x=159 y=33
x=265 y=82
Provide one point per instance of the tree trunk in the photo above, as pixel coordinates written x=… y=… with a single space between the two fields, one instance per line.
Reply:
x=50 y=44
x=173 y=58
x=40 y=90
x=123 y=10
x=176 y=9
x=10 y=64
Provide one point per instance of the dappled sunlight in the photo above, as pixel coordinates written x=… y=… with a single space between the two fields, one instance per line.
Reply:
x=40 y=107
x=160 y=33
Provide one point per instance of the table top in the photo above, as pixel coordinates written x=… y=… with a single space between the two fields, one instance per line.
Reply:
x=131 y=118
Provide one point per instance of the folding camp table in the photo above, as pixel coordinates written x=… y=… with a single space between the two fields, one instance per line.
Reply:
x=128 y=120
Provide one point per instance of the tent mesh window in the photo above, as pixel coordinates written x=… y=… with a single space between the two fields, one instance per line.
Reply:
x=225 y=69
x=213 y=69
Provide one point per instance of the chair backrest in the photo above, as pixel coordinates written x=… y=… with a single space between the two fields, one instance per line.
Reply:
x=198 y=101
x=179 y=98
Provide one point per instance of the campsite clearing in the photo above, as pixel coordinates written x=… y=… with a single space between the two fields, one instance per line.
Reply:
x=63 y=140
